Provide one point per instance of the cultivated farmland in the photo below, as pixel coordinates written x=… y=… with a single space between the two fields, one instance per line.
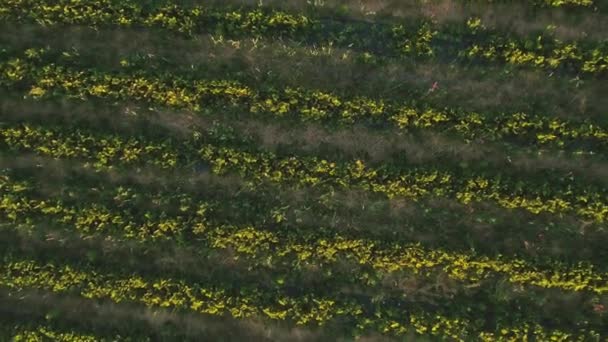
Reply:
x=321 y=170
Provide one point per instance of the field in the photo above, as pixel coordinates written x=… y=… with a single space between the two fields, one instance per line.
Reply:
x=321 y=170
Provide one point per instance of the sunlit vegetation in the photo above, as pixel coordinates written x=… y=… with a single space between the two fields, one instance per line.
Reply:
x=317 y=170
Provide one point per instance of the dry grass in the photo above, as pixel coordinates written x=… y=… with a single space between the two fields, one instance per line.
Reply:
x=584 y=169
x=515 y=16
x=378 y=147
x=52 y=173
x=110 y=318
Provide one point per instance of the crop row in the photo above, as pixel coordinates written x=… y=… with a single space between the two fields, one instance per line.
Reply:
x=306 y=105
x=46 y=334
x=39 y=316
x=96 y=218
x=415 y=183
x=537 y=52
x=234 y=272
x=24 y=274
x=422 y=39
x=325 y=213
x=560 y=3
x=193 y=223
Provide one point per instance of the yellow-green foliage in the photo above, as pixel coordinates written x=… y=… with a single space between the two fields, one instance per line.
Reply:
x=130 y=13
x=43 y=334
x=414 y=184
x=256 y=243
x=308 y=105
x=364 y=281
x=560 y=3
x=20 y=274
x=417 y=41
